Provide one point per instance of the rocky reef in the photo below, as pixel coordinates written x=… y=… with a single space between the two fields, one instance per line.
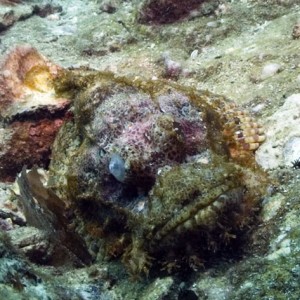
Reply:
x=126 y=167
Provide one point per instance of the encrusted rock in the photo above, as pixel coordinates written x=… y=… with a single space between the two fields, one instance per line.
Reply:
x=33 y=243
x=10 y=13
x=30 y=112
x=282 y=145
x=169 y=11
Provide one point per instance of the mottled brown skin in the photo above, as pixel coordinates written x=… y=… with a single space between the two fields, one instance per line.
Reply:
x=215 y=203
x=189 y=210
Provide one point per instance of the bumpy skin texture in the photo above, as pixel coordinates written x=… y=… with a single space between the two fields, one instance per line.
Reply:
x=147 y=135
x=190 y=184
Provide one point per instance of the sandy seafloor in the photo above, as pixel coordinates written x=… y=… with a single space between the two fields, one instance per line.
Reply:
x=244 y=50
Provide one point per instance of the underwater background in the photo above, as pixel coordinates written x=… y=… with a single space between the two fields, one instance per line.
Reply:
x=149 y=149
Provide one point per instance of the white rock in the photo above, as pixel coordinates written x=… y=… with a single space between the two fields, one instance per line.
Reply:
x=282 y=130
x=291 y=150
x=270 y=70
x=257 y=108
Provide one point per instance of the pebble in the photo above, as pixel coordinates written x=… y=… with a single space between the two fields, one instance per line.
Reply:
x=291 y=150
x=270 y=70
